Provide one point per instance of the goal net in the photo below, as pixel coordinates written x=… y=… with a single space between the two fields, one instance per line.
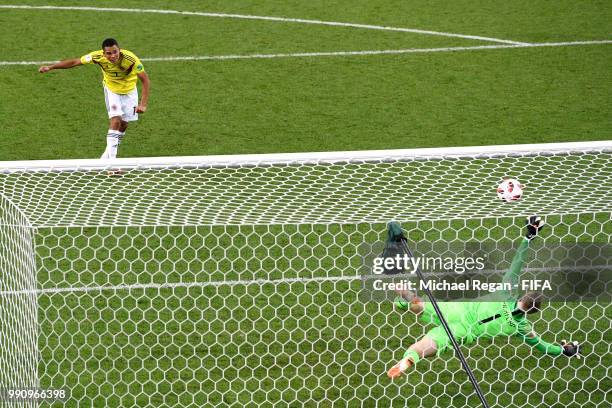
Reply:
x=18 y=303
x=239 y=280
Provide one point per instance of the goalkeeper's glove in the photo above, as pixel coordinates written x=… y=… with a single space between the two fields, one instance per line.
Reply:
x=534 y=225
x=571 y=349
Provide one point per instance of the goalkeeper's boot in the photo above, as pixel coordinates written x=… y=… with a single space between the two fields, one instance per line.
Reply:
x=400 y=368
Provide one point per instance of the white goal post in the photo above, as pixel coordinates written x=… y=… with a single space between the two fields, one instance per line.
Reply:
x=238 y=280
x=18 y=305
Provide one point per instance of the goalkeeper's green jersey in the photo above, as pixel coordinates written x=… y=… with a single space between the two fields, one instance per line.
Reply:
x=488 y=317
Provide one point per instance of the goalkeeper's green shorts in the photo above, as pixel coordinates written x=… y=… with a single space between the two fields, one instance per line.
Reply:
x=443 y=342
x=454 y=313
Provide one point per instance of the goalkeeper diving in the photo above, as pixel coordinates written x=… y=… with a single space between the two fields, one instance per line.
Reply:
x=477 y=319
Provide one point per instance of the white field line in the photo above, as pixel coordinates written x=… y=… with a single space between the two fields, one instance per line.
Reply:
x=258 y=282
x=265 y=18
x=337 y=53
x=261 y=282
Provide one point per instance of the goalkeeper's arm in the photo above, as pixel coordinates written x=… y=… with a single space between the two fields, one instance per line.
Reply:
x=534 y=225
x=569 y=349
x=547 y=348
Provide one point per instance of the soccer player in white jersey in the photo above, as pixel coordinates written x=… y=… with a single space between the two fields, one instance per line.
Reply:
x=120 y=69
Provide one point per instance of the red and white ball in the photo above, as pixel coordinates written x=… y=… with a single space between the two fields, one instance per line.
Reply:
x=510 y=190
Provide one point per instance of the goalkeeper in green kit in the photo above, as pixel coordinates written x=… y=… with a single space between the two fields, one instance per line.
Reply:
x=471 y=320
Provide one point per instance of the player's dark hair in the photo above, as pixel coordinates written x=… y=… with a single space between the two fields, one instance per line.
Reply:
x=532 y=302
x=109 y=42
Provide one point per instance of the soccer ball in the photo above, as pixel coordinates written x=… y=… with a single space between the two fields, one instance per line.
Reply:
x=510 y=190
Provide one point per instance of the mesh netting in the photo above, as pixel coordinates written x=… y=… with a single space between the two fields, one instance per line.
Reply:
x=238 y=282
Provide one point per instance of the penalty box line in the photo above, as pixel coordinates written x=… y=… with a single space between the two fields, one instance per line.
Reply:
x=339 y=53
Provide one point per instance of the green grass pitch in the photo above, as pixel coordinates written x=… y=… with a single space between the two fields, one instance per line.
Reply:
x=292 y=344
x=310 y=104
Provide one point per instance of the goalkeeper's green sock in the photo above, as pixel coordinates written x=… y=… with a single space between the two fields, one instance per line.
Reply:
x=412 y=355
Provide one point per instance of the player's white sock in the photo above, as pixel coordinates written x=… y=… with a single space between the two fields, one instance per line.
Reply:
x=119 y=139
x=112 y=143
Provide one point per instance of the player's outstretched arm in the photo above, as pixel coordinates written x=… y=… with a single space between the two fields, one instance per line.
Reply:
x=65 y=64
x=534 y=225
x=570 y=349
x=146 y=87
